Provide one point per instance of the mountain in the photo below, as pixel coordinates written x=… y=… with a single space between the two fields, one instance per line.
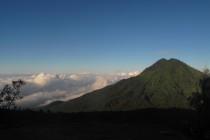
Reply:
x=165 y=84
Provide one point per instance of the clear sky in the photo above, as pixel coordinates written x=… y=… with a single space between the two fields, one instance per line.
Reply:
x=101 y=35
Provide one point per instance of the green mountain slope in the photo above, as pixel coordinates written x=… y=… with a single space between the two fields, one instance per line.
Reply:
x=165 y=84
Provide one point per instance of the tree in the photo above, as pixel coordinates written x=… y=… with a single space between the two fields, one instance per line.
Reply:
x=205 y=91
x=201 y=98
x=10 y=93
x=201 y=102
x=206 y=72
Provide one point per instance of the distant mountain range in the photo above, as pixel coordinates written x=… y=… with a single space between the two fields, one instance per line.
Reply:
x=165 y=84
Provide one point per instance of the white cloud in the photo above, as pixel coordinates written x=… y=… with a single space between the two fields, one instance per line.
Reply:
x=129 y=74
x=100 y=82
x=43 y=88
x=41 y=98
x=42 y=78
x=133 y=73
x=75 y=77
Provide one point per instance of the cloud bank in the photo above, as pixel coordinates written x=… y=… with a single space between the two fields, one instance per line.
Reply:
x=44 y=88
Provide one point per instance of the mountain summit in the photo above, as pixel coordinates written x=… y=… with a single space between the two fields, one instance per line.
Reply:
x=165 y=84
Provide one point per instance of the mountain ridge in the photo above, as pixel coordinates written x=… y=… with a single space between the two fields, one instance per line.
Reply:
x=165 y=84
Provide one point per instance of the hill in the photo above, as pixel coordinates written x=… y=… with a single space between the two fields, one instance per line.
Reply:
x=165 y=84
x=146 y=124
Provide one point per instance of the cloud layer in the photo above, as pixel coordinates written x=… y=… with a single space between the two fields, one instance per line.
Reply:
x=44 y=88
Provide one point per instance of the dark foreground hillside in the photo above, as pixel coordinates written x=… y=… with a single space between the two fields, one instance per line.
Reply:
x=171 y=124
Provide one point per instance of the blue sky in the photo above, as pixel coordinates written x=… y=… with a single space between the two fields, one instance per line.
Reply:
x=101 y=35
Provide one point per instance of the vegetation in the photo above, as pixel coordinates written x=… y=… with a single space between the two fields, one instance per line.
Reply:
x=201 y=102
x=206 y=72
x=9 y=94
x=201 y=98
x=166 y=84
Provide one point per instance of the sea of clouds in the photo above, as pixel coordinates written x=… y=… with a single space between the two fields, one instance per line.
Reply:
x=44 y=88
